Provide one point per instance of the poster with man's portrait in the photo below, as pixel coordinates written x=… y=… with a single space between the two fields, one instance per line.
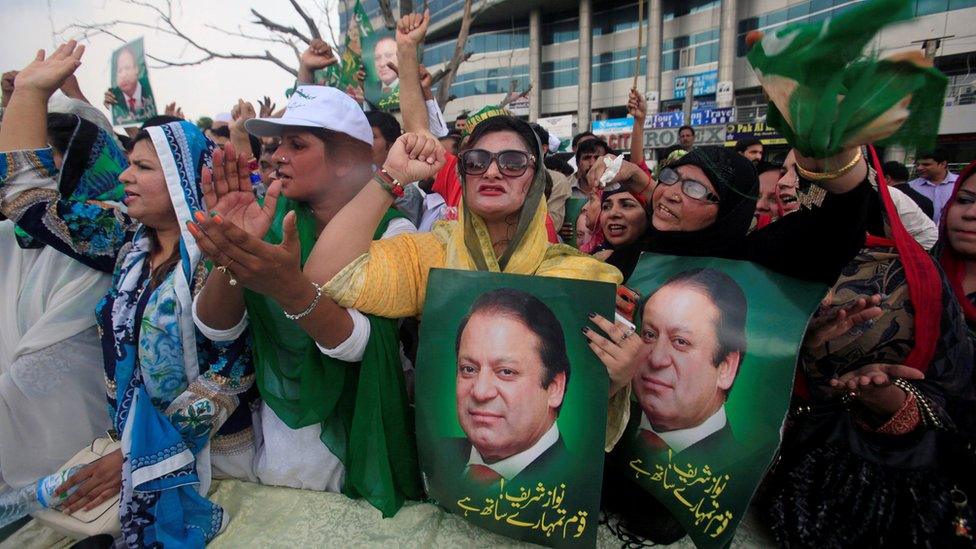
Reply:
x=512 y=403
x=134 y=101
x=712 y=390
x=382 y=85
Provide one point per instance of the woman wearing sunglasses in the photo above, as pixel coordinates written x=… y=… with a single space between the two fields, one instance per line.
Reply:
x=500 y=228
x=704 y=205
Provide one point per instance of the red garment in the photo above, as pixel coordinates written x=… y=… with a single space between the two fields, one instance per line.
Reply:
x=447 y=182
x=482 y=475
x=551 y=231
x=924 y=284
x=954 y=265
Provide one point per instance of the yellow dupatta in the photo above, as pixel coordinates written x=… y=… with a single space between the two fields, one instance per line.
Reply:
x=391 y=278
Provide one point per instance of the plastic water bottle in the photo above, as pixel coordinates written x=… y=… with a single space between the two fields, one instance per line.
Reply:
x=34 y=497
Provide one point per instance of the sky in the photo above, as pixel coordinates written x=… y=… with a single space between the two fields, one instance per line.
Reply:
x=202 y=90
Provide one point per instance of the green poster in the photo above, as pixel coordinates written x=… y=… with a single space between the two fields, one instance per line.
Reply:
x=343 y=74
x=574 y=206
x=134 y=101
x=512 y=404
x=382 y=84
x=710 y=397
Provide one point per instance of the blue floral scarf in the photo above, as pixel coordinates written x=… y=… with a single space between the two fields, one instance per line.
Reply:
x=166 y=466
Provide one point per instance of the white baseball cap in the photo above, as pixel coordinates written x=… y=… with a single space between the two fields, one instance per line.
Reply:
x=317 y=107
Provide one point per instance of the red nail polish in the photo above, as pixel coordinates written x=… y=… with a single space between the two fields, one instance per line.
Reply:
x=199 y=216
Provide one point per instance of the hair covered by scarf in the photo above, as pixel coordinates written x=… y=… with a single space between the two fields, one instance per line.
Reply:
x=737 y=187
x=476 y=238
x=91 y=163
x=953 y=263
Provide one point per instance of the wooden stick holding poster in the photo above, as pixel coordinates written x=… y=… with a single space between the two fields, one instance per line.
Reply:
x=722 y=336
x=134 y=101
x=512 y=403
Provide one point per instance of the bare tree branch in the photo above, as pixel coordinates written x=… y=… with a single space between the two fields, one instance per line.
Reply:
x=276 y=27
x=444 y=90
x=513 y=94
x=241 y=34
x=162 y=12
x=327 y=13
x=312 y=28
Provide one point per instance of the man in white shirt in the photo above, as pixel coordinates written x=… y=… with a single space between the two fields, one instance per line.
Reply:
x=512 y=375
x=934 y=181
x=695 y=324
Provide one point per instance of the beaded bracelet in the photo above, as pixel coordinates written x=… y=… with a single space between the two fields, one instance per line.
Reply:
x=389 y=183
x=929 y=418
x=308 y=310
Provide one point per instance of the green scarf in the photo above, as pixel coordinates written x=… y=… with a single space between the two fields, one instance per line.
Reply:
x=363 y=408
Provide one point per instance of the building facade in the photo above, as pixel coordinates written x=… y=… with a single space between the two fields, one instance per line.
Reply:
x=696 y=44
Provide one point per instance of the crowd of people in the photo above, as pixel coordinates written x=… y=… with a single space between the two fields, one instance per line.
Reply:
x=247 y=297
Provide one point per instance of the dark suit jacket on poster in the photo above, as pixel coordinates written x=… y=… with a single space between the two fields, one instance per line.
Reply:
x=148 y=106
x=548 y=465
x=719 y=443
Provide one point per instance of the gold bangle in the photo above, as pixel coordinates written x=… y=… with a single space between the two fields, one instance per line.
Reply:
x=826 y=176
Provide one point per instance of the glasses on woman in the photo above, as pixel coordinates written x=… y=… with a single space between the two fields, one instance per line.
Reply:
x=695 y=190
x=510 y=163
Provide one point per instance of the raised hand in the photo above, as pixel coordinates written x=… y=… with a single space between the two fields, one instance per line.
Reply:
x=318 y=55
x=356 y=92
x=412 y=28
x=266 y=107
x=7 y=85
x=109 y=99
x=46 y=74
x=172 y=109
x=637 y=104
x=873 y=386
x=874 y=376
x=832 y=325
x=426 y=82
x=227 y=191
x=414 y=157
x=268 y=269
x=621 y=353
x=241 y=113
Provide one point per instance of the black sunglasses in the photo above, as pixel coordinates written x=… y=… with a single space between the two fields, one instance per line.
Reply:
x=510 y=163
x=696 y=190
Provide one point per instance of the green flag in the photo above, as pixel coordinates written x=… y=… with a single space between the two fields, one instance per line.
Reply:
x=343 y=74
x=826 y=95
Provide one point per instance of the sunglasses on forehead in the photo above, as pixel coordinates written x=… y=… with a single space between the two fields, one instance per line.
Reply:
x=696 y=190
x=510 y=163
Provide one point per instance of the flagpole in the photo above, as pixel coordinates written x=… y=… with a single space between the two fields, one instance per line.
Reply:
x=640 y=40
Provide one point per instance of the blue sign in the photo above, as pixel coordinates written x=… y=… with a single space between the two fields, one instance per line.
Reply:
x=701 y=117
x=671 y=119
x=704 y=83
x=612 y=125
x=713 y=117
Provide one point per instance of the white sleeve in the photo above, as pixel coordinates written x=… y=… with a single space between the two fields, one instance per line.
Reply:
x=352 y=349
x=212 y=334
x=919 y=225
x=435 y=119
x=398 y=226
